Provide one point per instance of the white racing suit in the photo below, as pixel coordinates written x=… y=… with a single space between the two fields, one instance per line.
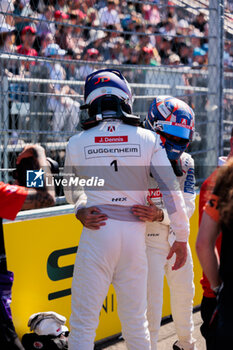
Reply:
x=123 y=156
x=159 y=238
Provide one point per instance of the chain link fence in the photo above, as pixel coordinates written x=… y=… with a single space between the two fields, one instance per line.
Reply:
x=48 y=47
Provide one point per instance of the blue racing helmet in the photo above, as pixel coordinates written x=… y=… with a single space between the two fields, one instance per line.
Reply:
x=173 y=119
x=107 y=90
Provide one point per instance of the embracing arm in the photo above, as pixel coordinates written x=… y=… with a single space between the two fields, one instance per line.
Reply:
x=148 y=212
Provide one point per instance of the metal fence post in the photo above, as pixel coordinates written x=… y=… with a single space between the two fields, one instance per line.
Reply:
x=5 y=126
x=215 y=82
x=221 y=76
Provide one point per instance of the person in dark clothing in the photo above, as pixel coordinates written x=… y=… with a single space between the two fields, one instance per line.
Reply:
x=218 y=217
x=200 y=22
x=13 y=198
x=209 y=302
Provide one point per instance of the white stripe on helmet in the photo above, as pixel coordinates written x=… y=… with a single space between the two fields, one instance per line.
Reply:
x=108 y=90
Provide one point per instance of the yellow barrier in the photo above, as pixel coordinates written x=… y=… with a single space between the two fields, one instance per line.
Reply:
x=41 y=253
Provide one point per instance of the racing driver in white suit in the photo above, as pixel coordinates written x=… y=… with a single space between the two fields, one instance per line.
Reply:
x=115 y=150
x=173 y=119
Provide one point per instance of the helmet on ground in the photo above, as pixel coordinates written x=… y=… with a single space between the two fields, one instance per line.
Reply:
x=173 y=119
x=107 y=91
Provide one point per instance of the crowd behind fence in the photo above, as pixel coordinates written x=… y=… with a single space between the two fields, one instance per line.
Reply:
x=48 y=47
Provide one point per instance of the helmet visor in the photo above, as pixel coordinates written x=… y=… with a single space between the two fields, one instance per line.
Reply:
x=175 y=129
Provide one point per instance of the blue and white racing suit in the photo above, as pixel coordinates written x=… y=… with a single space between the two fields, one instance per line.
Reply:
x=159 y=238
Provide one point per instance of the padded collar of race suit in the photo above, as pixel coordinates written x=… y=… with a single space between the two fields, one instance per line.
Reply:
x=107 y=103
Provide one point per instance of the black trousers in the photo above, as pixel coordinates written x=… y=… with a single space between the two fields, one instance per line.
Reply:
x=224 y=328
x=219 y=332
x=8 y=337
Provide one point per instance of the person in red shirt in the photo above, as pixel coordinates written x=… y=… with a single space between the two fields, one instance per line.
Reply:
x=218 y=216
x=13 y=198
x=28 y=35
x=208 y=303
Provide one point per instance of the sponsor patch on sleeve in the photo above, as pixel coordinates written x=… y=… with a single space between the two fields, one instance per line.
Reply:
x=189 y=184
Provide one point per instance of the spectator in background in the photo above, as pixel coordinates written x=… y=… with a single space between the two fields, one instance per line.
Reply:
x=6 y=6
x=117 y=50
x=149 y=56
x=132 y=55
x=86 y=5
x=27 y=37
x=200 y=22
x=91 y=55
x=61 y=18
x=196 y=38
x=109 y=15
x=18 y=6
x=100 y=4
x=206 y=33
x=30 y=10
x=164 y=49
x=7 y=39
x=110 y=42
x=7 y=34
x=172 y=11
x=43 y=27
x=75 y=4
x=150 y=29
x=111 y=34
x=199 y=57
x=64 y=37
x=185 y=54
x=205 y=47
x=128 y=24
x=174 y=60
x=183 y=28
x=92 y=17
x=72 y=72
x=48 y=39
x=78 y=15
x=143 y=40
x=227 y=58
x=168 y=29
x=92 y=20
x=76 y=39
x=65 y=108
x=97 y=40
x=138 y=39
x=177 y=42
x=151 y=13
x=62 y=5
x=134 y=59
